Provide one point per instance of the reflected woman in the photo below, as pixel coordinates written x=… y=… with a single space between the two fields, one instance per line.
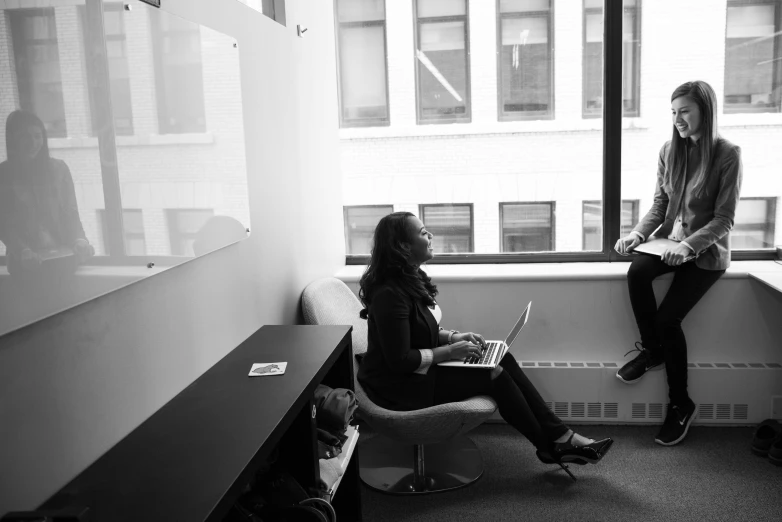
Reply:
x=400 y=372
x=38 y=210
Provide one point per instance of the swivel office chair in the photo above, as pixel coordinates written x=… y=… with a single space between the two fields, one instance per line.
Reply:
x=393 y=461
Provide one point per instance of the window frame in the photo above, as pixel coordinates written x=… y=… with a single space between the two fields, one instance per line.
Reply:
x=345 y=209
x=467 y=118
x=369 y=122
x=105 y=228
x=636 y=111
x=471 y=206
x=776 y=73
x=531 y=115
x=552 y=218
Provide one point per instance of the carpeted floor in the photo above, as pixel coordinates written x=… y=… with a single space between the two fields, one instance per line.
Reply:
x=711 y=476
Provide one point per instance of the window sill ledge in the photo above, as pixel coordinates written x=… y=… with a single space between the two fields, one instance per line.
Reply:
x=135 y=141
x=548 y=272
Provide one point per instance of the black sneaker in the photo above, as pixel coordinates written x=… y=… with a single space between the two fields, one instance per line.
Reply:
x=676 y=424
x=645 y=361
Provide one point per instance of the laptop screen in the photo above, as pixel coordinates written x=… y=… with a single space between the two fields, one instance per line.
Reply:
x=519 y=325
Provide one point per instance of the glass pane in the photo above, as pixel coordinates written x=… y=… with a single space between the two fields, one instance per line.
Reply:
x=525 y=66
x=51 y=188
x=434 y=8
x=750 y=65
x=746 y=80
x=363 y=74
x=451 y=226
x=185 y=167
x=521 y=6
x=527 y=227
x=360 y=10
x=442 y=70
x=360 y=223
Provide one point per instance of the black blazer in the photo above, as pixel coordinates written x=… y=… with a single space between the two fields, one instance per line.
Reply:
x=398 y=328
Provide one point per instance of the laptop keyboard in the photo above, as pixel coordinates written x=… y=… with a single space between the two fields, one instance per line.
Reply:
x=486 y=356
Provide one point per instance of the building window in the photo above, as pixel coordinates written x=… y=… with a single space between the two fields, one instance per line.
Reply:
x=133 y=231
x=363 y=79
x=360 y=223
x=119 y=75
x=593 y=58
x=442 y=55
x=179 y=78
x=753 y=67
x=527 y=227
x=526 y=81
x=754 y=224
x=37 y=59
x=183 y=225
x=592 y=212
x=451 y=225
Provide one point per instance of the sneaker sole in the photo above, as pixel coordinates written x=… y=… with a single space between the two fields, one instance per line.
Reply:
x=652 y=369
x=686 y=429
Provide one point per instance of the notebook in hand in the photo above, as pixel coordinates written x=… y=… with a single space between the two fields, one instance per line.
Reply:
x=657 y=246
x=495 y=350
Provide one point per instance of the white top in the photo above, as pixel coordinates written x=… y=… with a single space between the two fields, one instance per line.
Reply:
x=426 y=354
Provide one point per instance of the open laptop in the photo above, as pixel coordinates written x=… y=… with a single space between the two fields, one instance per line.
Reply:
x=495 y=350
x=657 y=246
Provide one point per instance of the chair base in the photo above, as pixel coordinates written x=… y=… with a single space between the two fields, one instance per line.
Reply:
x=389 y=467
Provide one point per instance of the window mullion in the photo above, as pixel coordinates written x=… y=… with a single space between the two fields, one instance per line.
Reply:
x=612 y=125
x=97 y=56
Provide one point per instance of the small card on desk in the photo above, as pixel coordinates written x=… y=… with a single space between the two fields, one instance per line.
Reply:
x=264 y=369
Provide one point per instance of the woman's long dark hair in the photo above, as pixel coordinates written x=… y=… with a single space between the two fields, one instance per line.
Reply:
x=703 y=95
x=390 y=263
x=17 y=121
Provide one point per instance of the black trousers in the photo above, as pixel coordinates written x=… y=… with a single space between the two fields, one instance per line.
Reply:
x=519 y=402
x=661 y=328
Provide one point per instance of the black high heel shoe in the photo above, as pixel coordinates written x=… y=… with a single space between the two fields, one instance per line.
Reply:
x=565 y=452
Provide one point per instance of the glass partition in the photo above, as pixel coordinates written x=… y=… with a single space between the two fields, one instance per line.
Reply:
x=124 y=149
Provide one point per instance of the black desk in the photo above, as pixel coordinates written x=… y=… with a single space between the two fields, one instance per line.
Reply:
x=189 y=461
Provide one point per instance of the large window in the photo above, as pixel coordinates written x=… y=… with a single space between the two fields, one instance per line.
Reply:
x=593 y=222
x=753 y=70
x=178 y=75
x=451 y=226
x=527 y=227
x=754 y=223
x=119 y=75
x=442 y=55
x=133 y=233
x=593 y=58
x=37 y=60
x=360 y=223
x=363 y=85
x=526 y=82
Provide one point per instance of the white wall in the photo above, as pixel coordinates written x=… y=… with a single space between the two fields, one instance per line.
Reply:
x=73 y=385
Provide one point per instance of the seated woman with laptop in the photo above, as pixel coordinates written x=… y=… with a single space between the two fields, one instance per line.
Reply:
x=400 y=370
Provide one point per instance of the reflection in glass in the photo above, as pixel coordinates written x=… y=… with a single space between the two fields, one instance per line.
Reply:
x=125 y=139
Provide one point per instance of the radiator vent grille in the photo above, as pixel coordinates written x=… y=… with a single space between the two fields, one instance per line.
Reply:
x=740 y=411
x=593 y=409
x=639 y=410
x=561 y=409
x=611 y=410
x=577 y=410
x=723 y=411
x=655 y=411
x=706 y=411
x=719 y=365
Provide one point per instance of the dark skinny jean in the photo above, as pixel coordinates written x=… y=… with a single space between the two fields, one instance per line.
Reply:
x=519 y=402
x=661 y=328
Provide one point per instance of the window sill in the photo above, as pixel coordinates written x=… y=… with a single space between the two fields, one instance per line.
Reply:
x=548 y=272
x=501 y=127
x=135 y=141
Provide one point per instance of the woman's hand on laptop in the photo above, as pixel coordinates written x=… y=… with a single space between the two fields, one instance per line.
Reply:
x=626 y=244
x=677 y=255
x=463 y=349
x=471 y=337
